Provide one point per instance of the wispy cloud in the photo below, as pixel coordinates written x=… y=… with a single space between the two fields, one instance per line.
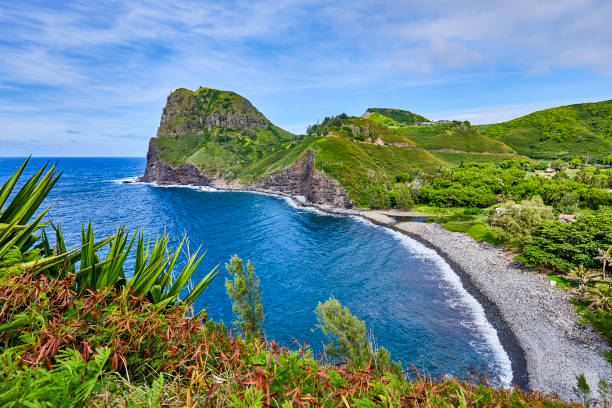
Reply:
x=106 y=67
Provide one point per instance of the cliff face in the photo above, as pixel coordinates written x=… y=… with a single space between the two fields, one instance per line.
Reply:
x=159 y=172
x=303 y=180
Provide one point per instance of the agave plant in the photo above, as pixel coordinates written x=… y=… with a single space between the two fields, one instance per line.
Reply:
x=16 y=230
x=153 y=274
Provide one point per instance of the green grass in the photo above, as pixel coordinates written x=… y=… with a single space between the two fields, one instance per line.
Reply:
x=563 y=132
x=478 y=231
x=359 y=166
x=453 y=137
x=397 y=115
x=456 y=158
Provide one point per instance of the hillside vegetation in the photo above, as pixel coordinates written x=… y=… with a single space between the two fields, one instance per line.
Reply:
x=453 y=136
x=401 y=117
x=218 y=131
x=563 y=132
x=225 y=136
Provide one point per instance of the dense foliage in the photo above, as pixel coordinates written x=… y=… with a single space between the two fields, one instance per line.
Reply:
x=482 y=185
x=563 y=246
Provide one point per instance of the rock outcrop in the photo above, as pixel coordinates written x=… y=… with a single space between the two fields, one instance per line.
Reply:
x=201 y=111
x=234 y=131
x=300 y=181
x=303 y=181
x=160 y=172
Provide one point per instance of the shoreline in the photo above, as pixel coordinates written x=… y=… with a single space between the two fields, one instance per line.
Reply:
x=535 y=323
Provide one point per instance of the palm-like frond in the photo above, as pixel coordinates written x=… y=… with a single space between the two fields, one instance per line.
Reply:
x=153 y=274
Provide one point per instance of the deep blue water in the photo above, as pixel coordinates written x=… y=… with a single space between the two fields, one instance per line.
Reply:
x=407 y=295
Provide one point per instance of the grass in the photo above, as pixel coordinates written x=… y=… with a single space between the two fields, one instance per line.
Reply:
x=563 y=132
x=453 y=137
x=398 y=116
x=456 y=158
x=360 y=167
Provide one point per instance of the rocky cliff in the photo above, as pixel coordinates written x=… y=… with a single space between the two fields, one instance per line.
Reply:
x=303 y=181
x=160 y=172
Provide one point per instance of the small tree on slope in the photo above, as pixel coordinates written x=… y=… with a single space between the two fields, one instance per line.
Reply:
x=244 y=290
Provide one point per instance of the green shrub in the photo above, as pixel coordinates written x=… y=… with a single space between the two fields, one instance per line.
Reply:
x=244 y=291
x=514 y=223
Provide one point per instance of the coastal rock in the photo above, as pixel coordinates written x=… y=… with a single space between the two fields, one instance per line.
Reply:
x=160 y=172
x=302 y=179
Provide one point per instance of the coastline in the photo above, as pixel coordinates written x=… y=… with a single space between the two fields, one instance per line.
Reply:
x=537 y=326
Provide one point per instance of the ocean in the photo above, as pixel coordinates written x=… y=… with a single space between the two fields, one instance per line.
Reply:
x=410 y=299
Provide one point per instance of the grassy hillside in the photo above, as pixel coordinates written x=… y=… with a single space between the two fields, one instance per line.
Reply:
x=453 y=136
x=224 y=135
x=563 y=132
x=402 y=117
x=456 y=158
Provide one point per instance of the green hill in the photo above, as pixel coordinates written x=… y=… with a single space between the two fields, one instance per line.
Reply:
x=226 y=138
x=453 y=137
x=402 y=117
x=563 y=132
x=218 y=131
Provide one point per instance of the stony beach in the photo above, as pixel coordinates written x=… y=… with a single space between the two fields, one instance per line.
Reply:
x=536 y=323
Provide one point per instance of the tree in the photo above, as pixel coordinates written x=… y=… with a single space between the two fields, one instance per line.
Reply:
x=582 y=390
x=605 y=257
x=514 y=223
x=583 y=277
x=244 y=290
x=348 y=339
x=575 y=163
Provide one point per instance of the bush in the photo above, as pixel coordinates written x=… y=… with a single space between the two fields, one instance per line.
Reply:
x=513 y=223
x=562 y=246
x=403 y=178
x=402 y=198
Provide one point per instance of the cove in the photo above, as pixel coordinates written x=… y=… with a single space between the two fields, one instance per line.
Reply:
x=409 y=297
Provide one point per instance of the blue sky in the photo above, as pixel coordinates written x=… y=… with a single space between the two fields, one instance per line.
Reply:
x=91 y=78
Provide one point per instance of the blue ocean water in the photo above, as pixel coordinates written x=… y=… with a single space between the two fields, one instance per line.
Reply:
x=410 y=299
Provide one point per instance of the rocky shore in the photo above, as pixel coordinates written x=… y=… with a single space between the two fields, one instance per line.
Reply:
x=536 y=324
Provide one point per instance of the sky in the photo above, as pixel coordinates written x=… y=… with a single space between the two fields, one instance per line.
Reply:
x=85 y=78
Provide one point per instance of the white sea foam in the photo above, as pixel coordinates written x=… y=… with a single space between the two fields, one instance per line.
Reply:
x=134 y=180
x=479 y=319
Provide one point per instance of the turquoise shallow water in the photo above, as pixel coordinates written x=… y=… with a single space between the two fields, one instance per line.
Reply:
x=409 y=298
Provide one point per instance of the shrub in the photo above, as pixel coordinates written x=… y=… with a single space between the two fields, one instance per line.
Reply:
x=514 y=223
x=244 y=290
x=403 y=198
x=348 y=338
x=403 y=178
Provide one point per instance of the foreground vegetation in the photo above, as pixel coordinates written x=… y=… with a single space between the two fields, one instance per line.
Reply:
x=77 y=330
